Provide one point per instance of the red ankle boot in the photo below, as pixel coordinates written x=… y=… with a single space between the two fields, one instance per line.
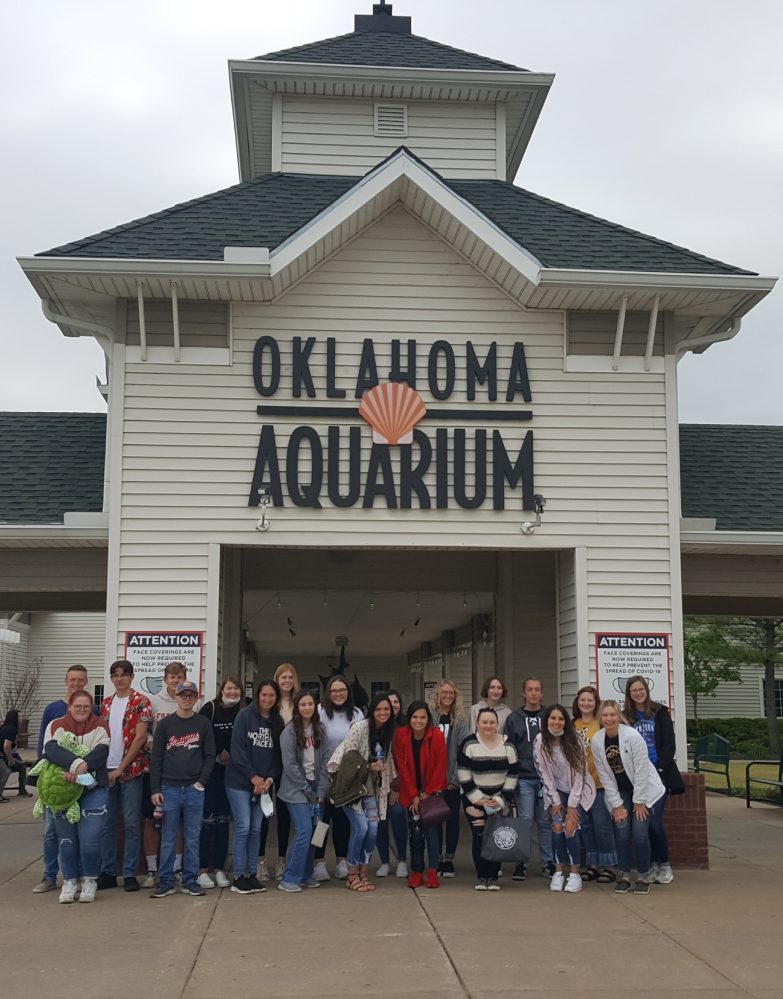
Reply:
x=415 y=880
x=432 y=878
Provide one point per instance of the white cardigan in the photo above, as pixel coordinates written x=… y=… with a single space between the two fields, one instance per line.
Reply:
x=647 y=786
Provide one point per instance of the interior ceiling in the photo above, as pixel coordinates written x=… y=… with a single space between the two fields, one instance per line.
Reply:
x=376 y=624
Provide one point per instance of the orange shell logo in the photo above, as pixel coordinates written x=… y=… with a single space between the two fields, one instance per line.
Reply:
x=392 y=410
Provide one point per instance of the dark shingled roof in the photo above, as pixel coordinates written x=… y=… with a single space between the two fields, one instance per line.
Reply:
x=269 y=209
x=733 y=473
x=387 y=48
x=50 y=463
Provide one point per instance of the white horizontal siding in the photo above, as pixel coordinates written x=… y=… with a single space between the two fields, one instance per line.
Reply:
x=191 y=434
x=49 y=569
x=732 y=575
x=14 y=664
x=736 y=700
x=594 y=333
x=59 y=640
x=336 y=136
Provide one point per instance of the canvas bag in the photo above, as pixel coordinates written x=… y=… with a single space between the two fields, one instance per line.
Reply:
x=506 y=839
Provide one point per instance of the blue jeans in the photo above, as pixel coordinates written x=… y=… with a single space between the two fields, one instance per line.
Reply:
x=248 y=820
x=598 y=834
x=128 y=796
x=397 y=818
x=659 y=844
x=51 y=848
x=80 y=843
x=213 y=843
x=420 y=836
x=567 y=849
x=364 y=831
x=530 y=805
x=185 y=803
x=639 y=832
x=301 y=855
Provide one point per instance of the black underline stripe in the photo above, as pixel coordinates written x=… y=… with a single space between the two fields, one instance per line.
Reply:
x=463 y=415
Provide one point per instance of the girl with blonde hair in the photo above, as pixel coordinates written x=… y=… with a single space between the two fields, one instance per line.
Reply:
x=449 y=714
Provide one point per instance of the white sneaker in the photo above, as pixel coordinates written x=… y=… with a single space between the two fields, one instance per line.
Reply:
x=150 y=880
x=279 y=869
x=177 y=880
x=341 y=871
x=68 y=891
x=89 y=888
x=556 y=884
x=383 y=871
x=320 y=872
x=500 y=872
x=222 y=880
x=664 y=876
x=261 y=872
x=402 y=870
x=653 y=874
x=205 y=881
x=574 y=883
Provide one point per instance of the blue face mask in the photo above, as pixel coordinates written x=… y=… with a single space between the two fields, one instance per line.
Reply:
x=87 y=780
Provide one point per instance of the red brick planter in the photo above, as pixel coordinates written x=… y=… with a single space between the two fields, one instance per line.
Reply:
x=685 y=820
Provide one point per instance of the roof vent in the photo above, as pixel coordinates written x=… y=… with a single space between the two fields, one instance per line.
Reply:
x=382 y=19
x=391 y=119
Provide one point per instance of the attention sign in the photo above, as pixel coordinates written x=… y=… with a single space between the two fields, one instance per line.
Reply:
x=620 y=655
x=150 y=651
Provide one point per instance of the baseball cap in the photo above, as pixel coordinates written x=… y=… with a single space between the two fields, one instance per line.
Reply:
x=186 y=687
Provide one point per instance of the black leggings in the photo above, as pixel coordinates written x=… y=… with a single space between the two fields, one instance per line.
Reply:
x=283 y=817
x=484 y=868
x=341 y=831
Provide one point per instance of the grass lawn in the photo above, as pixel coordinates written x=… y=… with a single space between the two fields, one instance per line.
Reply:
x=737 y=769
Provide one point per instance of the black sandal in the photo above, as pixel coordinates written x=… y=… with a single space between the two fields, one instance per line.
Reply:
x=591 y=874
x=623 y=886
x=606 y=877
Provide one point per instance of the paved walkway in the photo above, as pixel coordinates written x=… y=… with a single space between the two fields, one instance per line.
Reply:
x=709 y=934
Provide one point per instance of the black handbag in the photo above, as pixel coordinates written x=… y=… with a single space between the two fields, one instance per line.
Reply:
x=433 y=811
x=506 y=839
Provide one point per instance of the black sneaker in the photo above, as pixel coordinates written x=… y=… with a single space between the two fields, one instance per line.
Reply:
x=162 y=891
x=548 y=870
x=192 y=889
x=107 y=881
x=242 y=886
x=492 y=884
x=130 y=884
x=255 y=884
x=520 y=873
x=447 y=869
x=641 y=888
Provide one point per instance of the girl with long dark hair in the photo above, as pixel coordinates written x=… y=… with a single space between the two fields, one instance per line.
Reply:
x=653 y=722
x=221 y=712
x=569 y=791
x=303 y=788
x=253 y=766
x=337 y=713
x=420 y=758
x=396 y=815
x=372 y=738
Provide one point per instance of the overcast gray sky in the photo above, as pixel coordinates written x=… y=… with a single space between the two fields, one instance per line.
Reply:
x=666 y=116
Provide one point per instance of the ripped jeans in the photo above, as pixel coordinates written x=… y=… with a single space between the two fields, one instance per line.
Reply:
x=80 y=843
x=364 y=831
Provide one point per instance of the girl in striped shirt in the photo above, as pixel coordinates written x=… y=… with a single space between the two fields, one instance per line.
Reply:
x=487 y=773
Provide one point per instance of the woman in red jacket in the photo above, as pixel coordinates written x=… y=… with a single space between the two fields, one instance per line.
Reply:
x=421 y=759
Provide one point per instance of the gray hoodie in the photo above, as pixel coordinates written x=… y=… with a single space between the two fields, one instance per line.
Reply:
x=294 y=786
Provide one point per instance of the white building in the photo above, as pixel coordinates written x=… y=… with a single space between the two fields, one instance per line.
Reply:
x=376 y=238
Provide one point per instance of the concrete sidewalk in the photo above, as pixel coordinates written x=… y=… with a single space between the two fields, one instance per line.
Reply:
x=711 y=933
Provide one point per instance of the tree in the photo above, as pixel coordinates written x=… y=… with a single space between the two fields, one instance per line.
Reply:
x=752 y=641
x=708 y=661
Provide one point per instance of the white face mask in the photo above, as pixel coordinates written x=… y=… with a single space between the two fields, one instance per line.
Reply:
x=551 y=732
x=230 y=702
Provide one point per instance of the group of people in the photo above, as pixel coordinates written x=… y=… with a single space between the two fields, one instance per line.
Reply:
x=179 y=772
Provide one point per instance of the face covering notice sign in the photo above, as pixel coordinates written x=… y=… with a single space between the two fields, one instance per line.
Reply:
x=620 y=655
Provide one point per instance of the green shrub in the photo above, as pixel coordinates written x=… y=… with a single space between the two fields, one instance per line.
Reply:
x=746 y=736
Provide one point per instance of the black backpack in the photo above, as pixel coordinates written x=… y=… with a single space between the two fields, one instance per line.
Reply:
x=349 y=782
